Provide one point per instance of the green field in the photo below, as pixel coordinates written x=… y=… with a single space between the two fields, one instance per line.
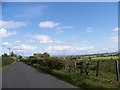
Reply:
x=64 y=68
x=105 y=58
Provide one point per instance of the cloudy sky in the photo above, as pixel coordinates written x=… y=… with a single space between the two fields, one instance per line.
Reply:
x=59 y=28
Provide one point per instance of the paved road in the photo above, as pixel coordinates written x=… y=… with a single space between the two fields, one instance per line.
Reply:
x=20 y=75
x=0 y=80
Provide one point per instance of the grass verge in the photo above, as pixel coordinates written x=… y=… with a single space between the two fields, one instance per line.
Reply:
x=82 y=80
x=6 y=66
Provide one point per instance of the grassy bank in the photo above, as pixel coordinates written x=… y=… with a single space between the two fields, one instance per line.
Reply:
x=82 y=80
x=6 y=61
x=89 y=72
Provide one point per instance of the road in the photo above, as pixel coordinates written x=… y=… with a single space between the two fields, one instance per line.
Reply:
x=20 y=75
x=0 y=80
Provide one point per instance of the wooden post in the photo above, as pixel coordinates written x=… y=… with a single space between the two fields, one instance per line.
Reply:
x=75 y=64
x=97 y=69
x=117 y=70
x=119 y=62
x=65 y=66
x=75 y=67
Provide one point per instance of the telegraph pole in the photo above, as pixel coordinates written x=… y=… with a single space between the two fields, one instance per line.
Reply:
x=3 y=49
x=9 y=50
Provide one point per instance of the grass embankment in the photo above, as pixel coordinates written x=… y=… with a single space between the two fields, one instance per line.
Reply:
x=6 y=62
x=81 y=80
x=80 y=71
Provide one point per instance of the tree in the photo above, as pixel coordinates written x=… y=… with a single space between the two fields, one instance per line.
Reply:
x=31 y=57
x=20 y=57
x=5 y=54
x=46 y=55
x=12 y=54
x=38 y=56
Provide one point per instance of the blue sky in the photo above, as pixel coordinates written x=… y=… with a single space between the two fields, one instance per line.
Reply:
x=60 y=0
x=73 y=28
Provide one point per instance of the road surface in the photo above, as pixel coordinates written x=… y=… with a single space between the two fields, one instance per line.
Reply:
x=0 y=80
x=20 y=75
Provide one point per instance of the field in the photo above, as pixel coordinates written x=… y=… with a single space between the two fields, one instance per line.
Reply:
x=80 y=70
x=105 y=58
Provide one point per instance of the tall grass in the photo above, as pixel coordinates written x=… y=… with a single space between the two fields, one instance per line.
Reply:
x=6 y=61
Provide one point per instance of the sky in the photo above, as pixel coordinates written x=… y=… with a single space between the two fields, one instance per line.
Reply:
x=59 y=28
x=60 y=0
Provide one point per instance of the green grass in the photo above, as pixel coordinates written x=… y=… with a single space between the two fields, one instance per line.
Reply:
x=104 y=80
x=6 y=62
x=105 y=58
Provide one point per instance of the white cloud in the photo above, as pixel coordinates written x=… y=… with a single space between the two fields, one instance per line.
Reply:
x=68 y=48
x=59 y=31
x=110 y=49
x=13 y=24
x=44 y=39
x=5 y=43
x=111 y=44
x=54 y=48
x=89 y=30
x=48 y=24
x=65 y=27
x=4 y=33
x=25 y=47
x=12 y=44
x=18 y=41
x=30 y=48
x=20 y=47
x=83 y=48
x=116 y=29
x=105 y=49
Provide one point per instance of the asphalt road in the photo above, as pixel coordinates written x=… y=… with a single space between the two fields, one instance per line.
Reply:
x=20 y=75
x=0 y=80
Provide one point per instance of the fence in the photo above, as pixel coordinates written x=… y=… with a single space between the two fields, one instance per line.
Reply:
x=98 y=67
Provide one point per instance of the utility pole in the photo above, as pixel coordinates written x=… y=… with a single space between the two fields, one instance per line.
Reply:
x=9 y=50
x=3 y=50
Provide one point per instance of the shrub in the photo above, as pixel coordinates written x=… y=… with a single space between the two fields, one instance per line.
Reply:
x=54 y=63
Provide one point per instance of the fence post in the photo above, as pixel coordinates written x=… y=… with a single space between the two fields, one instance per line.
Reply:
x=97 y=69
x=117 y=70
x=75 y=64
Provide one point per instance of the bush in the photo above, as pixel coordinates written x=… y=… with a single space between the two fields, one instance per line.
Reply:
x=54 y=63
